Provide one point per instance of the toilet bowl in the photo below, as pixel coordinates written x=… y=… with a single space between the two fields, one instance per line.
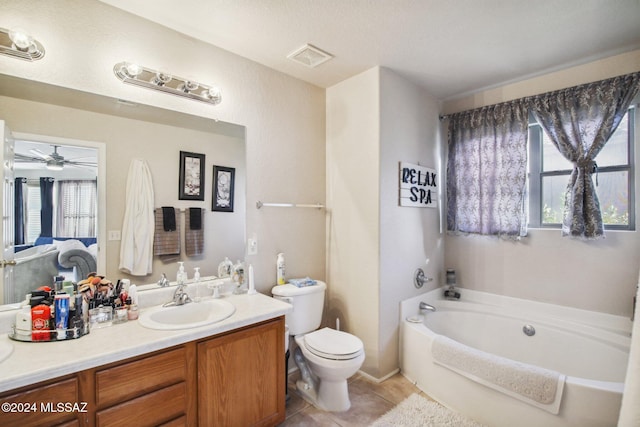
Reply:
x=333 y=357
x=326 y=357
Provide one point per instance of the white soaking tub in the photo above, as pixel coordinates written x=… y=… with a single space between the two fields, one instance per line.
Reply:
x=474 y=356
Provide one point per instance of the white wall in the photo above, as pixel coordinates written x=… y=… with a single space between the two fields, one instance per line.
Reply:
x=375 y=120
x=284 y=117
x=596 y=275
x=353 y=192
x=409 y=132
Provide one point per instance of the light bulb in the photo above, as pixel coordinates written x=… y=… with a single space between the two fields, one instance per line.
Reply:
x=214 y=94
x=132 y=70
x=189 y=86
x=21 y=40
x=162 y=78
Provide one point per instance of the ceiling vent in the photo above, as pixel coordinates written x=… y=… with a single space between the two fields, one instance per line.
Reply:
x=309 y=56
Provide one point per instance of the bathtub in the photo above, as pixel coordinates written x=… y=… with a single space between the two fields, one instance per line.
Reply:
x=588 y=350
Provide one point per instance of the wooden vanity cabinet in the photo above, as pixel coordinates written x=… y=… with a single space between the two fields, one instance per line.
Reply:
x=234 y=379
x=241 y=377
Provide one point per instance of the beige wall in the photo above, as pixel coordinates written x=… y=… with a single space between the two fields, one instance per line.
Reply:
x=374 y=121
x=284 y=117
x=594 y=275
x=353 y=193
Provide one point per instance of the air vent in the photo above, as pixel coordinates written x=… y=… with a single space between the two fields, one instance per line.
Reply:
x=309 y=56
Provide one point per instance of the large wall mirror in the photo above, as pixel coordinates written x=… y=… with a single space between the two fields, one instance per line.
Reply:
x=86 y=129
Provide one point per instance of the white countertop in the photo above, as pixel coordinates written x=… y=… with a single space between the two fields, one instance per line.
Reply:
x=30 y=363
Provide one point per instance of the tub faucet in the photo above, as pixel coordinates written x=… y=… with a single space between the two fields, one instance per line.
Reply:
x=180 y=297
x=426 y=307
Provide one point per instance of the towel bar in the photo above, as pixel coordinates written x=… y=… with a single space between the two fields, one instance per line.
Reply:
x=260 y=204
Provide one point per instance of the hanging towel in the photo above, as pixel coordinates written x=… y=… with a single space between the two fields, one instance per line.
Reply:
x=136 y=245
x=194 y=232
x=168 y=218
x=195 y=218
x=166 y=244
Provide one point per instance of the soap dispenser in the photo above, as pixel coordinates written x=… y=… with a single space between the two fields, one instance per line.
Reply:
x=181 y=277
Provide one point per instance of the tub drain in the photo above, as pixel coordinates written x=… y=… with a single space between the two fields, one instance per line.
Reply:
x=529 y=330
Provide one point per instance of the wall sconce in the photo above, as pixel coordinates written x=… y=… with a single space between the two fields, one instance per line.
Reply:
x=19 y=44
x=163 y=81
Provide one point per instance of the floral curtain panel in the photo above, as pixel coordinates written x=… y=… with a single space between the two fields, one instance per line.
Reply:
x=487 y=171
x=579 y=121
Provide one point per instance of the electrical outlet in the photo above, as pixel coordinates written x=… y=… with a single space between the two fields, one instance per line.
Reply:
x=252 y=245
x=114 y=235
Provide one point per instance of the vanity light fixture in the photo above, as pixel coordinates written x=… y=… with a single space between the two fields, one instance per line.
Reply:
x=163 y=81
x=18 y=44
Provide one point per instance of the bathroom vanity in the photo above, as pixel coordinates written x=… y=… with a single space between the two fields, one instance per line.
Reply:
x=230 y=373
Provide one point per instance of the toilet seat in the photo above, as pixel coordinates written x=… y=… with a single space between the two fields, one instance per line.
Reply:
x=331 y=344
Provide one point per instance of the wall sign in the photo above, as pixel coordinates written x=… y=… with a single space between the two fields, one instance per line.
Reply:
x=418 y=186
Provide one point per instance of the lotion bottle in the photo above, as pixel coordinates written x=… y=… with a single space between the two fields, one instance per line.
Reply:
x=280 y=270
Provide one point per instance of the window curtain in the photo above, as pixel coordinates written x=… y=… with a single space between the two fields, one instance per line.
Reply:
x=579 y=121
x=20 y=206
x=46 y=210
x=487 y=171
x=76 y=208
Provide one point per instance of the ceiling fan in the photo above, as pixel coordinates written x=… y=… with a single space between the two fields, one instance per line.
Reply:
x=53 y=161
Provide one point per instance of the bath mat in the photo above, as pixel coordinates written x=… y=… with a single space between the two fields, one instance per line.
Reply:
x=417 y=411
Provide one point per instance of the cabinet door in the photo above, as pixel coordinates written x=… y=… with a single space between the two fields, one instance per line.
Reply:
x=241 y=377
x=44 y=405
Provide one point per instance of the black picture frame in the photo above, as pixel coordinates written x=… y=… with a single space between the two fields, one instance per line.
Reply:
x=191 y=180
x=223 y=188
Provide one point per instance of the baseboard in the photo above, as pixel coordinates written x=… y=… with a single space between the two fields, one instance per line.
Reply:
x=379 y=380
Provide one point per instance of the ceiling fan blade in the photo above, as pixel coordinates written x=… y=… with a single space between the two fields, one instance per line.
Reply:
x=40 y=154
x=24 y=158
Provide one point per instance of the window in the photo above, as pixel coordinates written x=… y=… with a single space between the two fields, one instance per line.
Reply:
x=549 y=174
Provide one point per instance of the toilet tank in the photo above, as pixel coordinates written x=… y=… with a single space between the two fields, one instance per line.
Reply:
x=308 y=303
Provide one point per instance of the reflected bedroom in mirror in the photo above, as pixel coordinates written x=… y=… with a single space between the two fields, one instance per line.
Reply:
x=55 y=214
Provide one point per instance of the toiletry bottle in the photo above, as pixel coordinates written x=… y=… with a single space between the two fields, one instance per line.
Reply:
x=196 y=282
x=24 y=322
x=40 y=317
x=280 y=270
x=181 y=277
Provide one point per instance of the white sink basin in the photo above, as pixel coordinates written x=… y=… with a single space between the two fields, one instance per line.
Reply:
x=191 y=315
x=6 y=348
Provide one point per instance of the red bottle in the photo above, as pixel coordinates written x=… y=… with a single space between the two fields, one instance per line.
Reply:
x=41 y=319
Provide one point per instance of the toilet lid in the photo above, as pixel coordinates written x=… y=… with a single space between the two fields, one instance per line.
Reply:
x=331 y=344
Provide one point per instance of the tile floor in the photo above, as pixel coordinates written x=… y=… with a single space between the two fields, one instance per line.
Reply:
x=369 y=401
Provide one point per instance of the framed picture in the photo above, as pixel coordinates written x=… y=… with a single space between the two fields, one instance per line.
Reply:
x=191 y=176
x=223 y=184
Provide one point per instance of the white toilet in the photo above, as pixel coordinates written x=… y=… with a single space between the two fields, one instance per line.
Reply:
x=326 y=357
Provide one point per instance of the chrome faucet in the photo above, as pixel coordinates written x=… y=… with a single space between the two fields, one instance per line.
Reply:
x=163 y=282
x=180 y=297
x=426 y=307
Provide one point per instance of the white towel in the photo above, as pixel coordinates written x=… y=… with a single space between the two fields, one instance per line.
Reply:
x=531 y=384
x=136 y=246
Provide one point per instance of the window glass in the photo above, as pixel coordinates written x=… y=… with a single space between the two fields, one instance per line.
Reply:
x=553 y=195
x=552 y=160
x=613 y=193
x=616 y=151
